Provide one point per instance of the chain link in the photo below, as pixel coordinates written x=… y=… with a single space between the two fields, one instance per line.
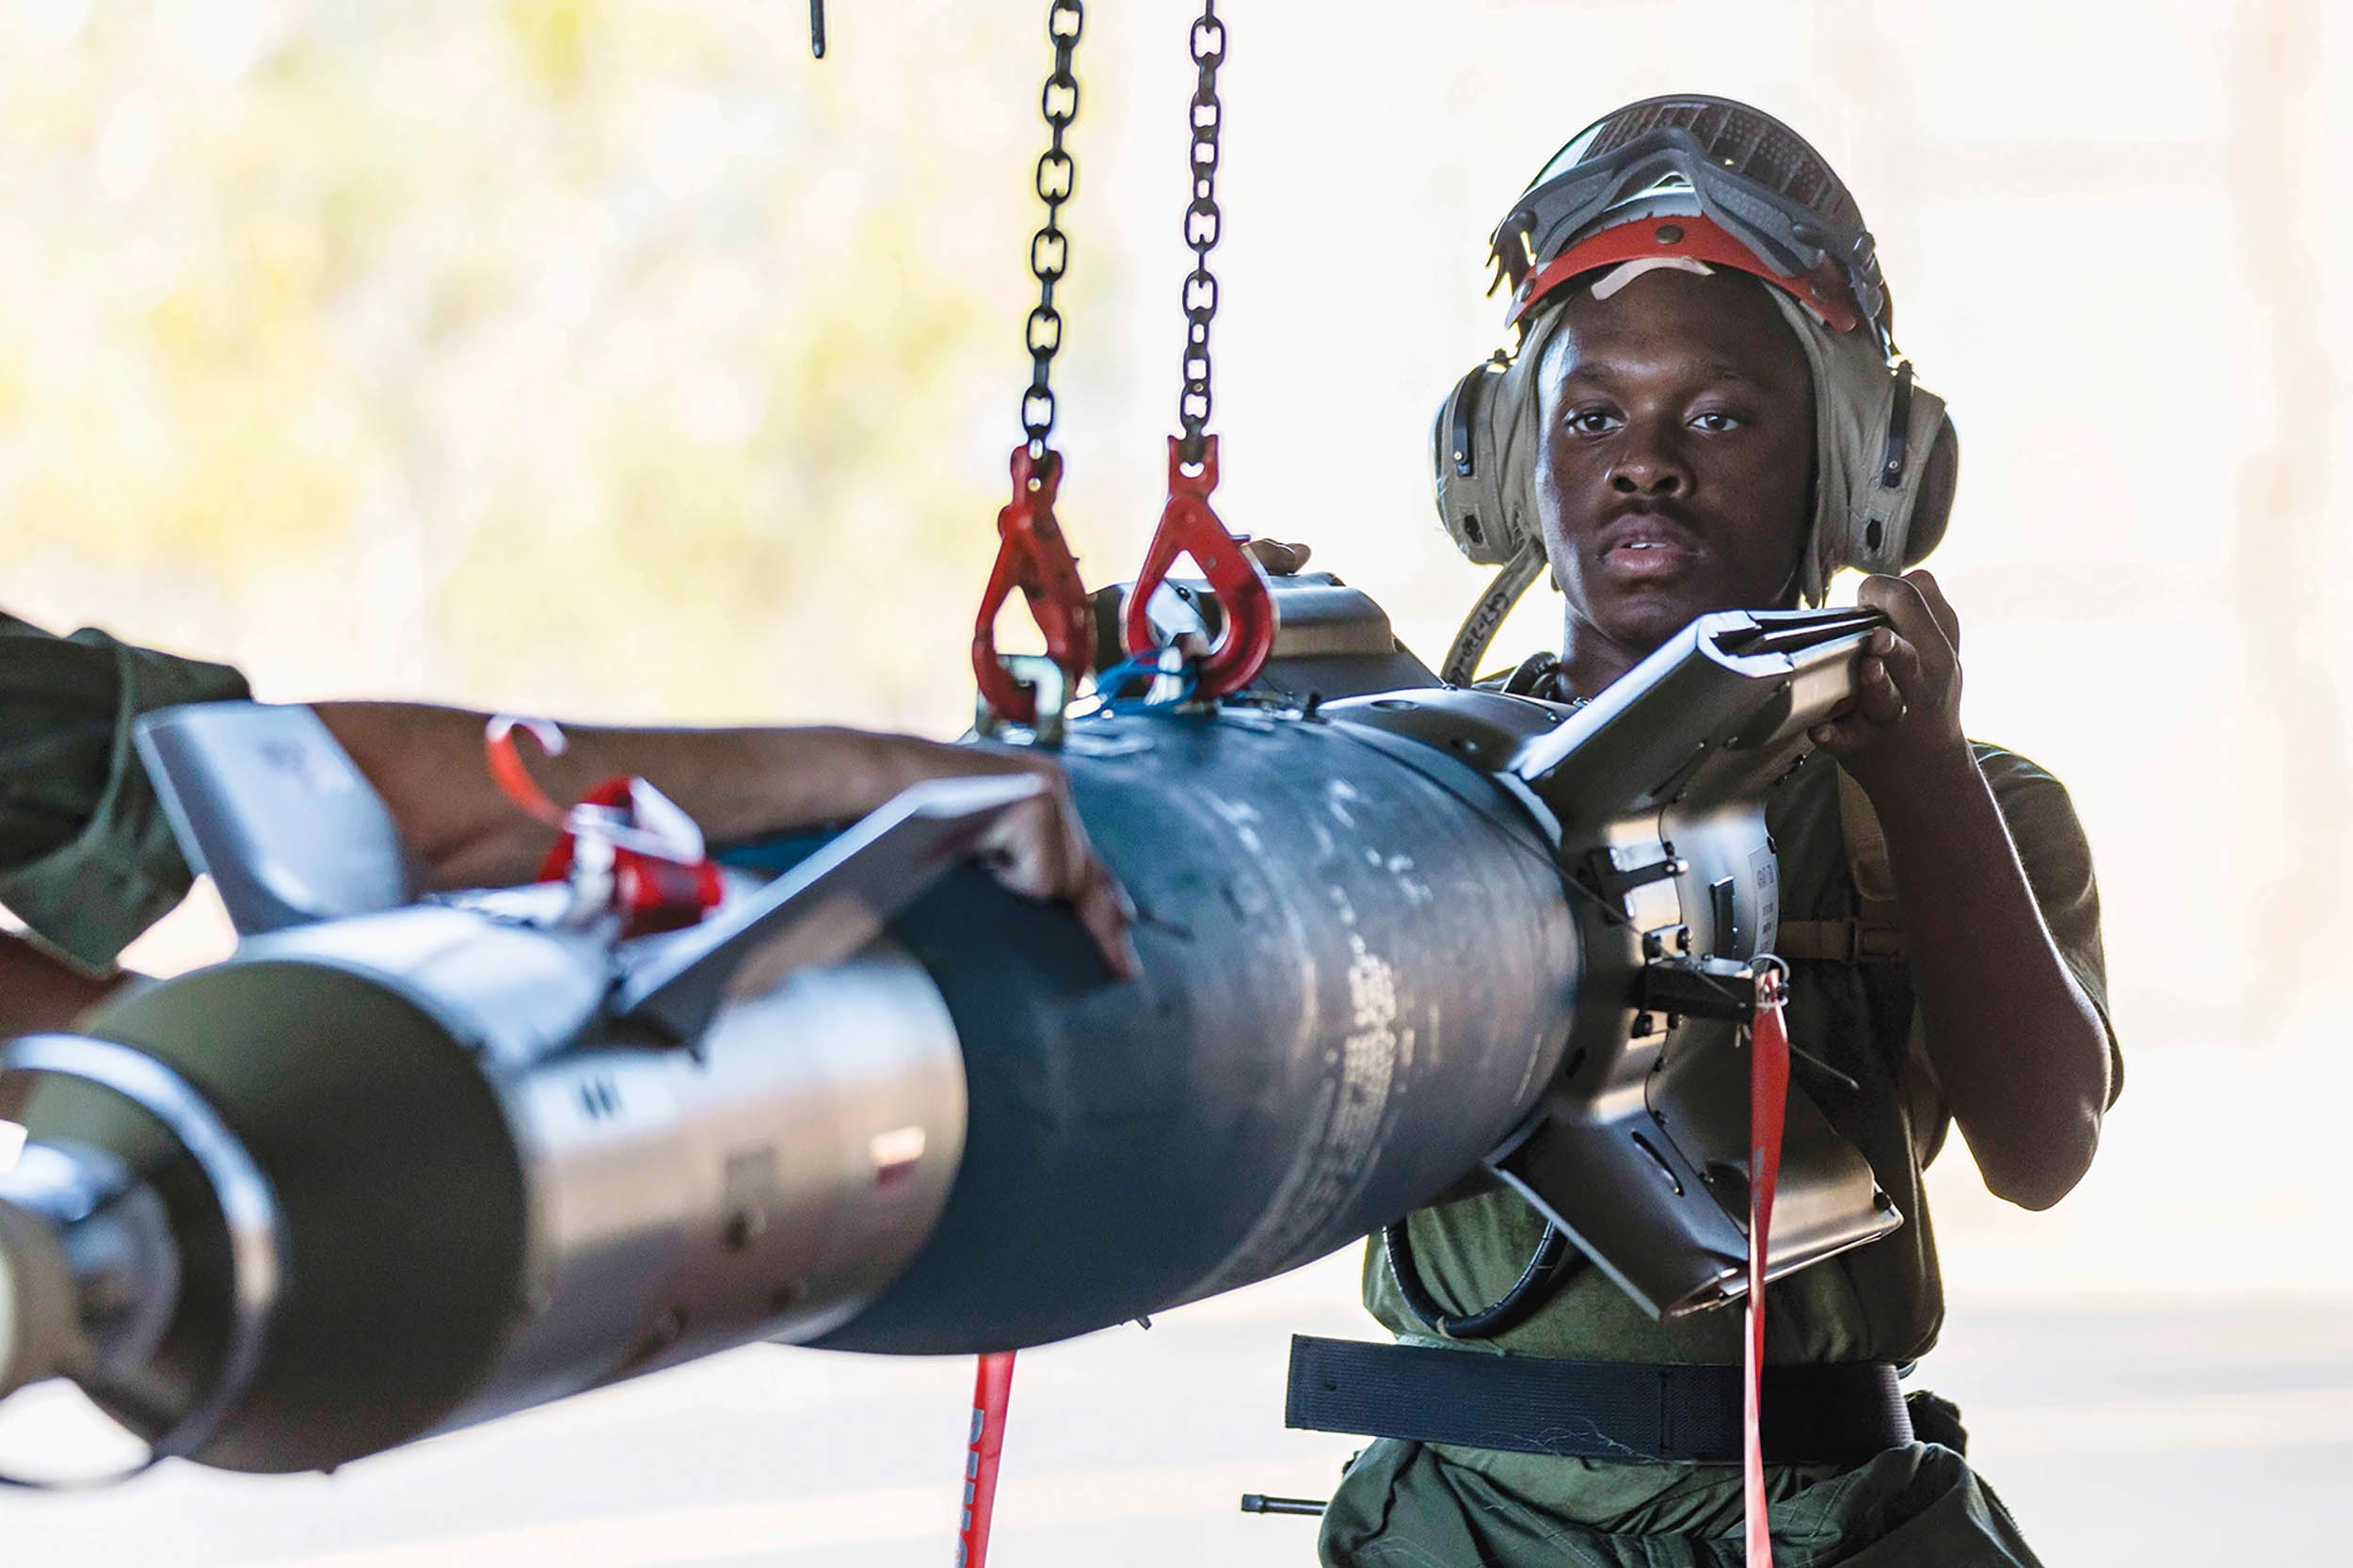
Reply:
x=1057 y=180
x=1204 y=223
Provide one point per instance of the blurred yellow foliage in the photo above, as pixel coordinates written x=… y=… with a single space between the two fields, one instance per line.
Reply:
x=553 y=36
x=553 y=354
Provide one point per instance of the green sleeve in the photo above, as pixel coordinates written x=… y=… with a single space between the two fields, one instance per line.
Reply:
x=86 y=859
x=2058 y=860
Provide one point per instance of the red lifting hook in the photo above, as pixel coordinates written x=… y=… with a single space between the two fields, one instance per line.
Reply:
x=1189 y=526
x=1033 y=556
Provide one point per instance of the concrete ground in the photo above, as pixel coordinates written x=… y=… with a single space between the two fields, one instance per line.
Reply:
x=2153 y=1433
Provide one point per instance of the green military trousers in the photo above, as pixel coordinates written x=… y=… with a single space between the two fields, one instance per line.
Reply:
x=1412 y=1505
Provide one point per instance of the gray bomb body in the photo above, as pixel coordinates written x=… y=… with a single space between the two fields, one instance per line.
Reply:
x=492 y=1195
x=397 y=1167
x=1360 y=967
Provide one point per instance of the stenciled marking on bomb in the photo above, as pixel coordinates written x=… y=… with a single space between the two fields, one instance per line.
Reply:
x=1338 y=1154
x=1370 y=1054
x=1416 y=890
x=1242 y=818
x=1339 y=796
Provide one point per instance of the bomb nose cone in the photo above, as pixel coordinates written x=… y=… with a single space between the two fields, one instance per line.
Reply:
x=140 y=1246
x=39 y=1336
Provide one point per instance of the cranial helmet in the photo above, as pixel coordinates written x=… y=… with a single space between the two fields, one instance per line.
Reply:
x=1696 y=184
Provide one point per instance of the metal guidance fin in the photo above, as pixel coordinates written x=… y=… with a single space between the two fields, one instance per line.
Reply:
x=1715 y=713
x=824 y=909
x=264 y=800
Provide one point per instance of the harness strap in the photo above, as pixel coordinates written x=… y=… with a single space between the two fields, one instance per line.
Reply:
x=1859 y=939
x=1591 y=1409
x=1874 y=933
x=1866 y=844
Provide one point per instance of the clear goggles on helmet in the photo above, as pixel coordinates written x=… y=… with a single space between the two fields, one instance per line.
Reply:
x=1739 y=169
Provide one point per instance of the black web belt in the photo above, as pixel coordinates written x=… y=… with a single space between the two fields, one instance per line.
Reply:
x=1591 y=1409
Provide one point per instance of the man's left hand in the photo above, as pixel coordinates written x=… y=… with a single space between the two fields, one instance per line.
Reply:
x=1040 y=850
x=1904 y=722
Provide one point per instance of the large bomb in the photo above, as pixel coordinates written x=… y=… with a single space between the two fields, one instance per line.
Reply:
x=399 y=1165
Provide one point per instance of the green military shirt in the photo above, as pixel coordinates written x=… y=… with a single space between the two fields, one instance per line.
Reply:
x=86 y=859
x=1884 y=1302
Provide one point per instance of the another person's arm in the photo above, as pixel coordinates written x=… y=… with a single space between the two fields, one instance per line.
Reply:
x=426 y=762
x=2020 y=1050
x=88 y=860
x=38 y=992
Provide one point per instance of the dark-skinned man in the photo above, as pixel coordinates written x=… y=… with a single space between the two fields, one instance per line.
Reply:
x=88 y=862
x=1705 y=414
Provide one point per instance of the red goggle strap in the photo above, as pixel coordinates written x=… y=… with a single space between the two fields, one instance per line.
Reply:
x=1700 y=238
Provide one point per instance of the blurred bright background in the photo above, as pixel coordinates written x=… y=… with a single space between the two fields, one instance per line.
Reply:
x=617 y=360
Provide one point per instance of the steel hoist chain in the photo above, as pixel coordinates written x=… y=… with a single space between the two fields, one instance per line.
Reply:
x=1032 y=554
x=1204 y=225
x=1188 y=524
x=1057 y=180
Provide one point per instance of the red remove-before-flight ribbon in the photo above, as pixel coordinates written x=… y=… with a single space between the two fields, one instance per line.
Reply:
x=625 y=846
x=992 y=1390
x=1769 y=1099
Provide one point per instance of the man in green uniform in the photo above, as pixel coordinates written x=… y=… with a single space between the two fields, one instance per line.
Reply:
x=87 y=861
x=1697 y=421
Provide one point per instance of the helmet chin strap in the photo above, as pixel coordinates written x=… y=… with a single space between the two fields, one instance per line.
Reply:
x=1787 y=597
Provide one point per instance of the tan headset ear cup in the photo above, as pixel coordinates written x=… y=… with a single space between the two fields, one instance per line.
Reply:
x=1473 y=508
x=1932 y=513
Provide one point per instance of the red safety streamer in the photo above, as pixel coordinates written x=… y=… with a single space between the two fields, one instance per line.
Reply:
x=1032 y=555
x=653 y=887
x=506 y=765
x=1189 y=526
x=992 y=1390
x=652 y=868
x=1768 y=1098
